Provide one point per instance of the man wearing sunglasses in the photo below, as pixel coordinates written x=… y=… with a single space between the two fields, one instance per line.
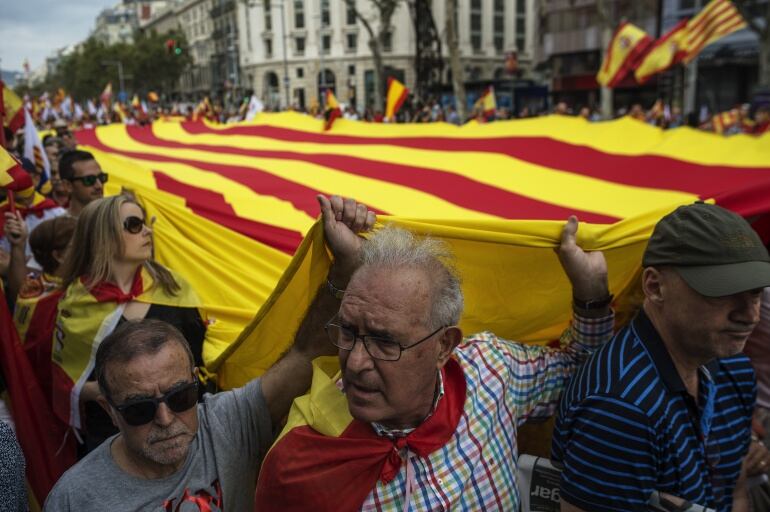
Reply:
x=82 y=178
x=172 y=454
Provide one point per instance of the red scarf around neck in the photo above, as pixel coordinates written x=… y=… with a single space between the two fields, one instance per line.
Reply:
x=109 y=292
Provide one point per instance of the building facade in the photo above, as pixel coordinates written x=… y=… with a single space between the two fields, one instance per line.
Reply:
x=292 y=50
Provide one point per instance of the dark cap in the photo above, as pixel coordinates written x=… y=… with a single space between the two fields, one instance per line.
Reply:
x=713 y=249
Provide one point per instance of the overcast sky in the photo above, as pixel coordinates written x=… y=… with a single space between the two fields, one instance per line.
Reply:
x=33 y=29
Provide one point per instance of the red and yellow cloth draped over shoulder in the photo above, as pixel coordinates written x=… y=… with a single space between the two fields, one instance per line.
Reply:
x=233 y=202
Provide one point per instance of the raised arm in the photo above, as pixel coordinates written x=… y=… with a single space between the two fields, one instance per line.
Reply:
x=343 y=219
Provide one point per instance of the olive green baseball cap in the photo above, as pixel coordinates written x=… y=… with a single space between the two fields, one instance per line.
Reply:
x=713 y=249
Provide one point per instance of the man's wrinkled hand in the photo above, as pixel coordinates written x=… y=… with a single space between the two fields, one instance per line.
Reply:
x=343 y=219
x=587 y=271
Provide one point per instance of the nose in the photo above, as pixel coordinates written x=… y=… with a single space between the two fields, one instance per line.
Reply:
x=747 y=307
x=358 y=359
x=163 y=416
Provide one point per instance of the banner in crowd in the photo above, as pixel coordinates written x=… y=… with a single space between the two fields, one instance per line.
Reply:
x=498 y=193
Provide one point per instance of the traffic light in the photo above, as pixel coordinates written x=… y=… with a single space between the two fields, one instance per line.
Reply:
x=173 y=47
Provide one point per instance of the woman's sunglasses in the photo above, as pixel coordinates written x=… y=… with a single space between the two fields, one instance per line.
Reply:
x=141 y=412
x=90 y=181
x=133 y=224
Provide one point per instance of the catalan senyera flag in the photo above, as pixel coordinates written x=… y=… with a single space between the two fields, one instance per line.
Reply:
x=627 y=46
x=239 y=200
x=12 y=108
x=718 y=19
x=395 y=97
x=665 y=53
x=332 y=110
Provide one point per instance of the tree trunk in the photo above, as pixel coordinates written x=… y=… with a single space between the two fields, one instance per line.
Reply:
x=606 y=93
x=379 y=71
x=458 y=86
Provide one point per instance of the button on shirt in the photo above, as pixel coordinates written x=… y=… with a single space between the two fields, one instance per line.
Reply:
x=507 y=383
x=628 y=426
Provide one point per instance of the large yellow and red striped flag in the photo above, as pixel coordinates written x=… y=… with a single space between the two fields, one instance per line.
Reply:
x=397 y=93
x=666 y=52
x=718 y=19
x=237 y=200
x=12 y=108
x=627 y=46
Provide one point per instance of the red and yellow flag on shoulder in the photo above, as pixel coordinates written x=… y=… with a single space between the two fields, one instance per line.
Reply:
x=397 y=93
x=332 y=110
x=11 y=108
x=627 y=47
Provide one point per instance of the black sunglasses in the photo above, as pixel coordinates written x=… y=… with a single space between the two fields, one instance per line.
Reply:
x=90 y=181
x=142 y=411
x=133 y=224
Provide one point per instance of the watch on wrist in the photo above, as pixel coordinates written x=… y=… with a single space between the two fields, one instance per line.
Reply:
x=592 y=304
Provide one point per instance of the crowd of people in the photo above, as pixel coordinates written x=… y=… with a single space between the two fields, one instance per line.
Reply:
x=420 y=416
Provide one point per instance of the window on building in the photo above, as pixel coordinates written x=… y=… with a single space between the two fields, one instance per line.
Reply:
x=326 y=43
x=268 y=15
x=686 y=4
x=326 y=17
x=352 y=42
x=387 y=42
x=299 y=13
x=300 y=72
x=299 y=45
x=498 y=24
x=350 y=16
x=268 y=48
x=476 y=25
x=521 y=24
x=351 y=69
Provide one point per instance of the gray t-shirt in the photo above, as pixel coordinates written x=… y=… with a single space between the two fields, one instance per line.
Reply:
x=234 y=433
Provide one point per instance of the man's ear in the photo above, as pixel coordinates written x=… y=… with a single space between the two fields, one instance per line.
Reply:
x=653 y=285
x=101 y=400
x=450 y=338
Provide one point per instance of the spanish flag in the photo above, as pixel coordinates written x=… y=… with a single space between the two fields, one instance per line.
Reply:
x=724 y=120
x=106 y=95
x=332 y=110
x=11 y=108
x=667 y=51
x=487 y=103
x=627 y=46
x=85 y=317
x=718 y=19
x=396 y=96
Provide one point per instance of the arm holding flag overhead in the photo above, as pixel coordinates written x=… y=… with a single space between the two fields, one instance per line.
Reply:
x=343 y=219
x=16 y=231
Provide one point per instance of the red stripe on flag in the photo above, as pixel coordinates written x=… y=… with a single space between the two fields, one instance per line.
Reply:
x=451 y=187
x=213 y=206
x=650 y=171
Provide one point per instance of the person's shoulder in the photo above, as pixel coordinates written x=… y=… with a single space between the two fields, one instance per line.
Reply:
x=73 y=484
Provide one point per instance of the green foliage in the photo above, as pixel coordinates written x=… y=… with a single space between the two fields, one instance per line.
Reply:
x=147 y=66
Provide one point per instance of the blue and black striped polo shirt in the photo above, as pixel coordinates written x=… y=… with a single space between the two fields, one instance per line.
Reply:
x=627 y=426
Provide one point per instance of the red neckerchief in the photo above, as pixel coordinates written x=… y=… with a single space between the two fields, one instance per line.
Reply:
x=306 y=469
x=109 y=292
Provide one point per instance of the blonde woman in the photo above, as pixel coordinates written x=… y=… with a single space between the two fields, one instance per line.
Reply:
x=109 y=277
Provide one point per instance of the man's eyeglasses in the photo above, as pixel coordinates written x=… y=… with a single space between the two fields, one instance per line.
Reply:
x=379 y=347
x=90 y=181
x=142 y=411
x=133 y=224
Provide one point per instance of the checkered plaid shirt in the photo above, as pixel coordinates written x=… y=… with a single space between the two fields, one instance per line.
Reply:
x=507 y=384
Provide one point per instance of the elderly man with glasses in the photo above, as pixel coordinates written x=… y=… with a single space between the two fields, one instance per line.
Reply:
x=173 y=455
x=419 y=418
x=82 y=178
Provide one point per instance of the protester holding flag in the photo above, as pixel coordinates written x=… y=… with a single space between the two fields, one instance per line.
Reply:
x=171 y=456
x=110 y=276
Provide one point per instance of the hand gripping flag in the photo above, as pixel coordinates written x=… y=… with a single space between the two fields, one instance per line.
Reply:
x=396 y=96
x=628 y=45
x=332 y=110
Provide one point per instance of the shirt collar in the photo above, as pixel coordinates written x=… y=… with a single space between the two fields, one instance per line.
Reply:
x=648 y=336
x=392 y=433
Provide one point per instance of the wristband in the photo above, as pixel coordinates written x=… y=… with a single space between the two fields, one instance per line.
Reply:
x=593 y=304
x=334 y=291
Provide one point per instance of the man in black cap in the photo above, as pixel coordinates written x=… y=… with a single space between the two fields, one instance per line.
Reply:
x=666 y=406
